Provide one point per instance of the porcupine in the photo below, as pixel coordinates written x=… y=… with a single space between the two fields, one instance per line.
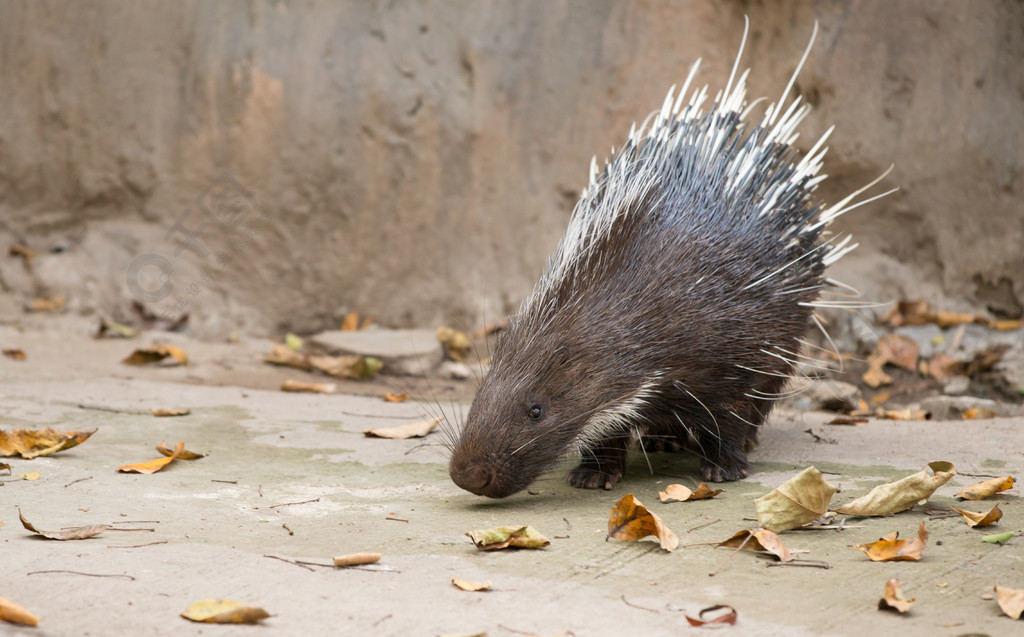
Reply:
x=673 y=309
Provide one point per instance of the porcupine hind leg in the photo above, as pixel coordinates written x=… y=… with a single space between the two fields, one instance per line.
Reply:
x=602 y=466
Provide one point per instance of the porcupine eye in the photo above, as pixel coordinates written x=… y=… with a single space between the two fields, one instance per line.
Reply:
x=536 y=412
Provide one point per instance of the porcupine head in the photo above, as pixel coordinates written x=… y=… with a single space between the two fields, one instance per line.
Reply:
x=671 y=314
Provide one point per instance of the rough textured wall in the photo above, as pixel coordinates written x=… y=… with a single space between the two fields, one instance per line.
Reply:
x=418 y=161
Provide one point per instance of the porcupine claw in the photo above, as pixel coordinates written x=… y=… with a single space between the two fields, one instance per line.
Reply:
x=602 y=469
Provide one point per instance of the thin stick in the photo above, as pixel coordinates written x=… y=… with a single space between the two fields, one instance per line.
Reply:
x=731 y=555
x=288 y=504
x=274 y=557
x=631 y=605
x=128 y=577
x=137 y=546
x=78 y=480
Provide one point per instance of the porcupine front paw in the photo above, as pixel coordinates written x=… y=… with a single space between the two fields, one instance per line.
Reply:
x=725 y=469
x=601 y=469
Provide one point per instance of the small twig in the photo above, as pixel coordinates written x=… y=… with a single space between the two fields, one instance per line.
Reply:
x=137 y=522
x=316 y=564
x=128 y=577
x=259 y=489
x=374 y=625
x=631 y=605
x=226 y=481
x=701 y=526
x=731 y=555
x=288 y=504
x=136 y=546
x=139 y=529
x=286 y=528
x=568 y=524
x=274 y=557
x=396 y=519
x=807 y=563
x=78 y=480
x=352 y=413
x=115 y=410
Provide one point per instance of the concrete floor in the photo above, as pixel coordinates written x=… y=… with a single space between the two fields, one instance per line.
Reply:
x=292 y=476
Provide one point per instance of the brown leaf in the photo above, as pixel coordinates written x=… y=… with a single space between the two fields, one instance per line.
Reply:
x=679 y=493
x=13 y=613
x=848 y=420
x=15 y=354
x=155 y=354
x=980 y=519
x=4 y=465
x=355 y=367
x=223 y=611
x=351 y=322
x=874 y=377
x=979 y=413
x=287 y=357
x=317 y=388
x=500 y=537
x=456 y=343
x=890 y=550
x=894 y=599
x=185 y=454
x=110 y=329
x=1010 y=600
x=904 y=414
x=46 y=304
x=356 y=559
x=985 y=489
x=893 y=497
x=31 y=443
x=1006 y=325
x=951 y=319
x=153 y=466
x=631 y=521
x=796 y=502
x=169 y=412
x=27 y=255
x=942 y=366
x=466 y=585
x=728 y=616
x=985 y=359
x=77 y=533
x=899 y=350
x=392 y=397
x=761 y=540
x=908 y=313
x=412 y=430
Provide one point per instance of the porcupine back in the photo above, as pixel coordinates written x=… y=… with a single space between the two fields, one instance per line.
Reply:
x=673 y=308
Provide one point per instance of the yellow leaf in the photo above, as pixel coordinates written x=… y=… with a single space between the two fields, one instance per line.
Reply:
x=894 y=599
x=679 y=493
x=31 y=443
x=223 y=611
x=980 y=519
x=979 y=413
x=500 y=537
x=351 y=322
x=890 y=550
x=466 y=585
x=893 y=497
x=987 y=488
x=802 y=498
x=185 y=454
x=456 y=343
x=316 y=388
x=155 y=354
x=412 y=430
x=392 y=397
x=31 y=475
x=1010 y=600
x=152 y=466
x=356 y=559
x=282 y=355
x=631 y=521
x=16 y=614
x=171 y=411
x=761 y=540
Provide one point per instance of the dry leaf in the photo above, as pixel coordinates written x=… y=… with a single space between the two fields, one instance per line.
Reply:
x=980 y=519
x=904 y=414
x=456 y=343
x=351 y=322
x=880 y=397
x=894 y=599
x=942 y=366
x=16 y=614
x=5 y=466
x=76 y=533
x=1010 y=600
x=171 y=411
x=897 y=349
x=45 y=304
x=355 y=367
x=392 y=397
x=31 y=443
x=794 y=503
x=490 y=328
x=761 y=540
x=985 y=359
x=356 y=559
x=184 y=454
x=30 y=476
x=466 y=585
x=893 y=497
x=908 y=313
x=890 y=550
x=985 y=489
x=848 y=420
x=412 y=430
x=15 y=354
x=679 y=493
x=1006 y=325
x=223 y=611
x=317 y=388
x=155 y=354
x=874 y=377
x=630 y=520
x=979 y=413
x=500 y=537
x=946 y=319
x=728 y=616
x=27 y=255
x=281 y=355
x=110 y=329
x=153 y=466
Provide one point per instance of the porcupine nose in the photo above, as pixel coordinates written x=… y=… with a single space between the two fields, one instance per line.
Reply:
x=475 y=478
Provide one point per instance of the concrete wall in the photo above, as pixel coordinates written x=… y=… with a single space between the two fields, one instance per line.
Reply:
x=418 y=160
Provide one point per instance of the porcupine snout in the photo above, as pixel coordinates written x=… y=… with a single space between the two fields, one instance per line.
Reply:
x=474 y=477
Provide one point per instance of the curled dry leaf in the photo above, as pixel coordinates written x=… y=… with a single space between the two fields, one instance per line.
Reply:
x=16 y=614
x=456 y=343
x=169 y=412
x=679 y=493
x=412 y=430
x=796 y=502
x=110 y=329
x=980 y=519
x=904 y=414
x=31 y=443
x=1006 y=325
x=942 y=366
x=631 y=521
x=893 y=497
x=392 y=397
x=354 y=367
x=714 y=616
x=894 y=599
x=998 y=538
x=890 y=548
x=296 y=386
x=356 y=559
x=223 y=611
x=45 y=304
x=152 y=466
x=30 y=476
x=897 y=349
x=466 y=585
x=155 y=354
x=184 y=454
x=848 y=420
x=351 y=322
x=985 y=489
x=760 y=540
x=26 y=253
x=76 y=533
x=285 y=357
x=15 y=354
x=500 y=537
x=1010 y=600
x=979 y=413
x=5 y=466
